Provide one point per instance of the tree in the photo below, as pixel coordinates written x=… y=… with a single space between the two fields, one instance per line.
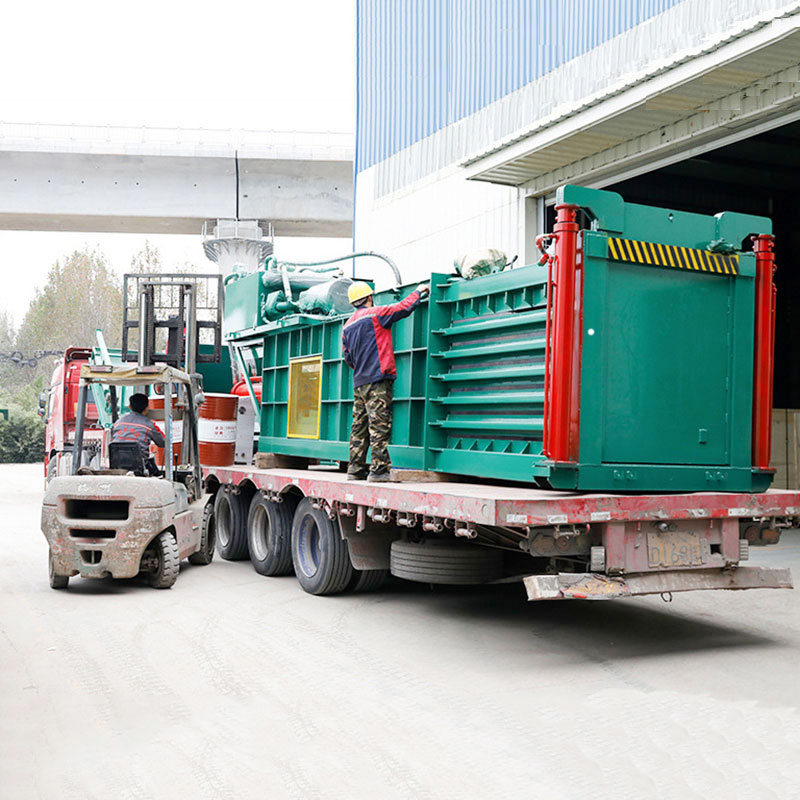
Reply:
x=8 y=344
x=82 y=294
x=22 y=434
x=147 y=261
x=21 y=438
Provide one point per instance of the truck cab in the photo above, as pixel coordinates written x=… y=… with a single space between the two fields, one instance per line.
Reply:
x=58 y=405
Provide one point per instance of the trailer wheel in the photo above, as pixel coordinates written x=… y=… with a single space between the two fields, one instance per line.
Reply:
x=320 y=555
x=167 y=561
x=208 y=537
x=269 y=535
x=230 y=518
x=56 y=581
x=367 y=580
x=445 y=562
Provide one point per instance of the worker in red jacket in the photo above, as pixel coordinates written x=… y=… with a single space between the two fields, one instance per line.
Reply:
x=368 y=351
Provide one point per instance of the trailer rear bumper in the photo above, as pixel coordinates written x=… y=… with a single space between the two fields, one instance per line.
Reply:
x=589 y=586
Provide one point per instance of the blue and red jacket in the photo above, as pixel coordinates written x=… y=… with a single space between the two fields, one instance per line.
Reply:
x=136 y=427
x=367 y=340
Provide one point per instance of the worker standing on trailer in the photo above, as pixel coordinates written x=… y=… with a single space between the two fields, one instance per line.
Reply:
x=368 y=351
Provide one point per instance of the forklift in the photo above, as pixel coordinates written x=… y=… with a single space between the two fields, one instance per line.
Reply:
x=123 y=518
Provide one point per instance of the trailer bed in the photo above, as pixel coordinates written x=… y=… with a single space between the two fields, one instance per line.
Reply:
x=625 y=544
x=514 y=506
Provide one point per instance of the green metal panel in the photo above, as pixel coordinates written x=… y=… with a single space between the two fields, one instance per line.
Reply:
x=486 y=377
x=216 y=377
x=666 y=362
x=670 y=354
x=243 y=299
x=301 y=335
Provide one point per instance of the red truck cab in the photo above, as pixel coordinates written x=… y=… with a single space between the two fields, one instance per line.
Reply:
x=59 y=406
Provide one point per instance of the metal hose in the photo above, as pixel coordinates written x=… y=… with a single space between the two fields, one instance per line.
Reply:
x=365 y=253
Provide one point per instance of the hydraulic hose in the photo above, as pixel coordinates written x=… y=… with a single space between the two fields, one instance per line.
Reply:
x=365 y=253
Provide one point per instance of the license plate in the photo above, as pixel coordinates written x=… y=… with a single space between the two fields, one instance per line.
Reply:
x=674 y=549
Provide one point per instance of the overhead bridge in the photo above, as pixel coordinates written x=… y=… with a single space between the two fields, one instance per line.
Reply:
x=150 y=180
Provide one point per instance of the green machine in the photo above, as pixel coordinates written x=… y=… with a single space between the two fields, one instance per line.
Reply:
x=636 y=356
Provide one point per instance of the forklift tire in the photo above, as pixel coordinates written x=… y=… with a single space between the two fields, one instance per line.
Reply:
x=230 y=518
x=367 y=580
x=56 y=581
x=168 y=561
x=208 y=538
x=320 y=555
x=269 y=535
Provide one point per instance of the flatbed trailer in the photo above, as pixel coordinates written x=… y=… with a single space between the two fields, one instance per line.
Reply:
x=350 y=534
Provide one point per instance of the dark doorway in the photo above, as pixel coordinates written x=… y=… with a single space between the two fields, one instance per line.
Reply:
x=759 y=175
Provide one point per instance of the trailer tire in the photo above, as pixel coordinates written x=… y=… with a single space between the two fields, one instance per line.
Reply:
x=168 y=562
x=208 y=537
x=56 y=581
x=269 y=535
x=445 y=562
x=367 y=580
x=320 y=555
x=230 y=518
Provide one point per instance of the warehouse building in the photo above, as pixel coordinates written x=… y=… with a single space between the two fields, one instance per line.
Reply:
x=472 y=112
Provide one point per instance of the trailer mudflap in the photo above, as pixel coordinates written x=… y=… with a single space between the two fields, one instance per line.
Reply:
x=590 y=586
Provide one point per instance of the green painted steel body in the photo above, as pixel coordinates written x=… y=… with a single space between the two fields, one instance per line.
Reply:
x=666 y=364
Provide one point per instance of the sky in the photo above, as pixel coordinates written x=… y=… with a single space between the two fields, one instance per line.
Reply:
x=267 y=65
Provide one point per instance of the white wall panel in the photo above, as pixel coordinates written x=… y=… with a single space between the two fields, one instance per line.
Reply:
x=427 y=226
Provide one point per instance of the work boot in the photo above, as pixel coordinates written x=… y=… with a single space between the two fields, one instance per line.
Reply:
x=356 y=476
x=380 y=477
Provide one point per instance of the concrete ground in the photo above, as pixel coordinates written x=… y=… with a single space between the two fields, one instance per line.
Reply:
x=231 y=685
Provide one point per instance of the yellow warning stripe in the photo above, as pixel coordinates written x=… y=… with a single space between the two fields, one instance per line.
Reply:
x=669 y=255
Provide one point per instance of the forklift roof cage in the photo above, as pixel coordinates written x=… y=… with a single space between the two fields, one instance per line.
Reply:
x=159 y=374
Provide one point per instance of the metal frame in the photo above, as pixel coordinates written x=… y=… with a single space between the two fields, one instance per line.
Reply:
x=167 y=377
x=149 y=292
x=512 y=506
x=298 y=362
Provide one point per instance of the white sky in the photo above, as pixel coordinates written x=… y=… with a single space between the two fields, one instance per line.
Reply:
x=284 y=65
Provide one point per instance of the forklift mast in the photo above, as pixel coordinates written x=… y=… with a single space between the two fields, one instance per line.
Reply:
x=173 y=314
x=167 y=316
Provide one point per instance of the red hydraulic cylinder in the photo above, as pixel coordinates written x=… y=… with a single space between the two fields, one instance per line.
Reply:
x=561 y=422
x=764 y=348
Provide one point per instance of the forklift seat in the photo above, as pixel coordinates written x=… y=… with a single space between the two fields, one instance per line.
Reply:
x=127 y=456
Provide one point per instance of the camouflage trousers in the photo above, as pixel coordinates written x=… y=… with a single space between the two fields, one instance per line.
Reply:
x=372 y=425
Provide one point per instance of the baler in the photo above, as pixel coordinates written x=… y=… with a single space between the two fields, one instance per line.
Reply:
x=635 y=357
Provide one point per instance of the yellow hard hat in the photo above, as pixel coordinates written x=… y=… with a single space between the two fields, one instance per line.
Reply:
x=358 y=291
